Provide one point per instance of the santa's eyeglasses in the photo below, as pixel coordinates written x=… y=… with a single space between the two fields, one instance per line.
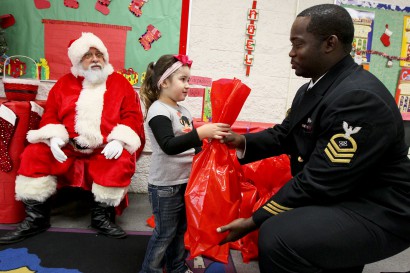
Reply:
x=89 y=55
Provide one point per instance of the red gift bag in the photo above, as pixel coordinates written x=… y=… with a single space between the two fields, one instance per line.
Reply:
x=213 y=193
x=267 y=176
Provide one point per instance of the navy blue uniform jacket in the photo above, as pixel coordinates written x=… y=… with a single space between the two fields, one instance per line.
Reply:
x=345 y=138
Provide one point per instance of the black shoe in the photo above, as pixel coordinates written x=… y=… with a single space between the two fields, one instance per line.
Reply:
x=101 y=221
x=23 y=231
x=37 y=220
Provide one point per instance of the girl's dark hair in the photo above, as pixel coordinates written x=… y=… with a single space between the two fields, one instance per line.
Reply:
x=149 y=91
x=330 y=19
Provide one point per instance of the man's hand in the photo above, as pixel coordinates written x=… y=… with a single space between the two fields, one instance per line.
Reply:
x=55 y=145
x=113 y=149
x=234 y=140
x=237 y=229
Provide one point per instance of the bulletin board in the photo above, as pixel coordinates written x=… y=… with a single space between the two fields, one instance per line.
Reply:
x=386 y=39
x=135 y=32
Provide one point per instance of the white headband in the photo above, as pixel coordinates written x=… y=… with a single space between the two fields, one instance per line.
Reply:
x=168 y=72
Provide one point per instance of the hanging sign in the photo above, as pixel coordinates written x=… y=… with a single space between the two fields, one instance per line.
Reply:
x=250 y=41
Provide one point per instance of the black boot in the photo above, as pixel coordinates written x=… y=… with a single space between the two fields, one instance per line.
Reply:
x=101 y=215
x=37 y=220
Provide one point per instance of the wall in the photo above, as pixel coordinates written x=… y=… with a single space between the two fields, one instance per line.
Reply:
x=216 y=45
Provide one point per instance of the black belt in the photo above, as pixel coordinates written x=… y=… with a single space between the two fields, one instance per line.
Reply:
x=76 y=145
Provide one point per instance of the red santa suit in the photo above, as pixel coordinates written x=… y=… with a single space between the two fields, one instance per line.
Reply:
x=86 y=117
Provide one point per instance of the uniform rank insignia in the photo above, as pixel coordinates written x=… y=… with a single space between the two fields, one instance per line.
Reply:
x=342 y=147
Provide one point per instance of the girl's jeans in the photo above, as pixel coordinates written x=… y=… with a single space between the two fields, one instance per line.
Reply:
x=166 y=246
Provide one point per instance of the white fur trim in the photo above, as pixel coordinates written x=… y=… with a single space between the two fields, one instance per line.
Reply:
x=107 y=67
x=88 y=116
x=7 y=114
x=21 y=81
x=31 y=188
x=81 y=46
x=127 y=135
x=36 y=108
x=46 y=132
x=108 y=195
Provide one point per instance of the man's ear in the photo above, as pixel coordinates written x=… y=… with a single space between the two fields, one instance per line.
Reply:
x=331 y=43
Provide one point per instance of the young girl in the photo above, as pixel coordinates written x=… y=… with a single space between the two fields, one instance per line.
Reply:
x=173 y=142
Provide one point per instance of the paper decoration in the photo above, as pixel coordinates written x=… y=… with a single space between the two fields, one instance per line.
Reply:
x=373 y=4
x=363 y=34
x=151 y=35
x=405 y=45
x=385 y=38
x=136 y=6
x=43 y=69
x=143 y=76
x=253 y=15
x=130 y=75
x=71 y=4
x=403 y=91
x=16 y=68
x=102 y=6
x=42 y=4
x=7 y=20
x=206 y=105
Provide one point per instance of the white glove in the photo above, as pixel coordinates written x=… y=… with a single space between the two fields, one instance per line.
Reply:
x=55 y=145
x=113 y=149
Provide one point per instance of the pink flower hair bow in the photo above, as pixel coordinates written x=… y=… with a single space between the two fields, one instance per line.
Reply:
x=184 y=59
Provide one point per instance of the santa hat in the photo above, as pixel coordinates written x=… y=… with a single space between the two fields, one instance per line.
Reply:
x=77 y=48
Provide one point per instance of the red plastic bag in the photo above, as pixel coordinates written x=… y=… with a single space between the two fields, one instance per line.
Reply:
x=267 y=176
x=213 y=194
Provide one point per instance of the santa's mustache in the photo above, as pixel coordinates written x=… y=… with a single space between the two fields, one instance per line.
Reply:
x=96 y=65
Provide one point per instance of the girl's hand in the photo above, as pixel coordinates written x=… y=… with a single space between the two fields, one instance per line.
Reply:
x=213 y=130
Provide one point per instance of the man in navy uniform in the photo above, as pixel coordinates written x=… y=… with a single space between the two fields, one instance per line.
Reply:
x=348 y=203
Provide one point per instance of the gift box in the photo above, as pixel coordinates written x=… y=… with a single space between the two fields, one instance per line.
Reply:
x=18 y=88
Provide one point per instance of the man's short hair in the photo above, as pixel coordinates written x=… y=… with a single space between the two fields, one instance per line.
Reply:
x=329 y=19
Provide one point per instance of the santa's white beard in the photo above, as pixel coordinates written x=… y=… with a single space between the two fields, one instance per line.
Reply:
x=93 y=76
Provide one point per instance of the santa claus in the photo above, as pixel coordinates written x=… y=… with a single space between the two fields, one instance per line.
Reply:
x=91 y=113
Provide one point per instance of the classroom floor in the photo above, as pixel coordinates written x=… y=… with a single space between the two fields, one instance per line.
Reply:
x=74 y=212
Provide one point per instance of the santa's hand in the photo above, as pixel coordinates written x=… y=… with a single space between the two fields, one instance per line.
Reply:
x=113 y=149
x=55 y=145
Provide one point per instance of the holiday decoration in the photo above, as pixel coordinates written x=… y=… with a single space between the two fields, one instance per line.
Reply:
x=136 y=6
x=385 y=55
x=43 y=70
x=2 y=60
x=42 y=4
x=15 y=68
x=403 y=92
x=253 y=15
x=151 y=35
x=385 y=38
x=36 y=112
x=143 y=76
x=405 y=44
x=20 y=89
x=7 y=20
x=102 y=6
x=71 y=4
x=7 y=127
x=363 y=35
x=3 y=44
x=130 y=75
